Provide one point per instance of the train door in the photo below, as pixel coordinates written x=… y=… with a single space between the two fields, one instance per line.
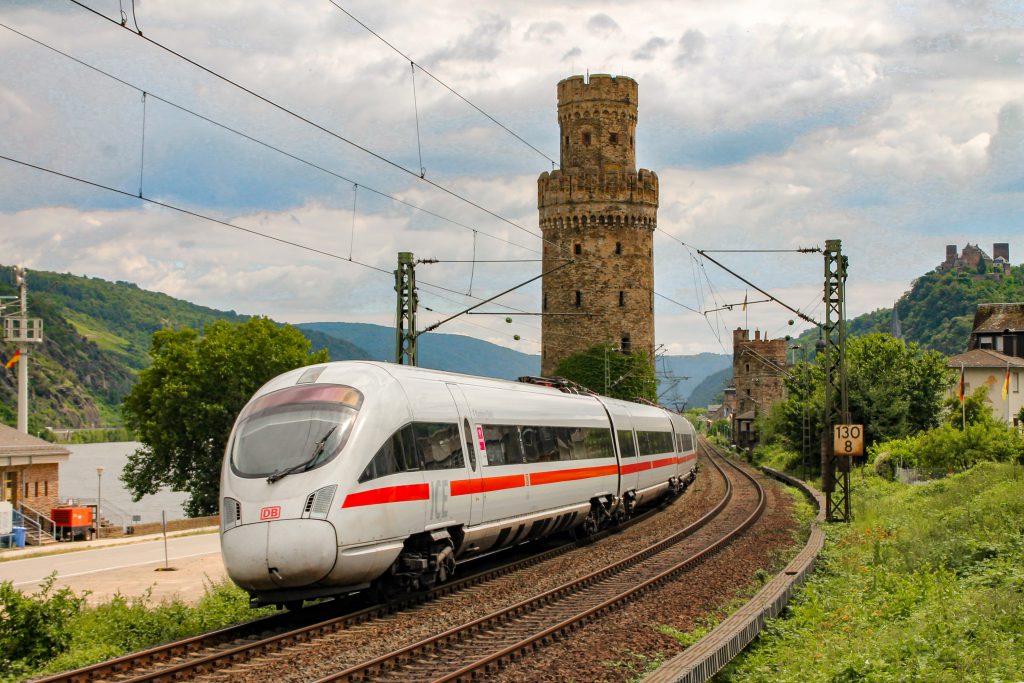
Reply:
x=472 y=485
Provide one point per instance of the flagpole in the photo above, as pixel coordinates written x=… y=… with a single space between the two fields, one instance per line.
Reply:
x=1006 y=391
x=963 y=403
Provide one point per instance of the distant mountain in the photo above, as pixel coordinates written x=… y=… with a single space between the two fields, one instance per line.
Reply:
x=711 y=389
x=450 y=352
x=673 y=389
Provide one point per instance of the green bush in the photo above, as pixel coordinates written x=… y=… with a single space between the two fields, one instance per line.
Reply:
x=35 y=627
x=949 y=448
x=54 y=631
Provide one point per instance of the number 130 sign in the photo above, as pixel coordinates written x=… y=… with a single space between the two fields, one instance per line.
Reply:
x=848 y=440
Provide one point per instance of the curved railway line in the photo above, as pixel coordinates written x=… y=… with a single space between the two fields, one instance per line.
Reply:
x=473 y=647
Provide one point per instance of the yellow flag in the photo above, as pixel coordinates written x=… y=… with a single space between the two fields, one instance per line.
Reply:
x=1006 y=383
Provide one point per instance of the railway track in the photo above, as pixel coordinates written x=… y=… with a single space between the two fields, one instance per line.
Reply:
x=474 y=648
x=207 y=652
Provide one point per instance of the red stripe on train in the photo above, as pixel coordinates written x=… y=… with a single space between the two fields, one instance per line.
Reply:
x=635 y=467
x=663 y=462
x=464 y=487
x=537 y=478
x=388 y=494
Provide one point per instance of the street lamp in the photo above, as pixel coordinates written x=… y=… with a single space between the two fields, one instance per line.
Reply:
x=99 y=497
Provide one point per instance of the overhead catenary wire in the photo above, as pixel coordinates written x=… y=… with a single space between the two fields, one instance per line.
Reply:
x=442 y=83
x=324 y=129
x=227 y=224
x=262 y=143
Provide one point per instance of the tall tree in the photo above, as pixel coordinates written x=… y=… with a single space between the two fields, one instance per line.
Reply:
x=184 y=405
x=607 y=371
x=894 y=389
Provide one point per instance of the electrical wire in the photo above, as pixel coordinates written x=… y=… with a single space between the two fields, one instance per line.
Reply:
x=280 y=107
x=257 y=141
x=443 y=84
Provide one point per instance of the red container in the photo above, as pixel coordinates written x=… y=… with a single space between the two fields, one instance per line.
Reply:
x=72 y=517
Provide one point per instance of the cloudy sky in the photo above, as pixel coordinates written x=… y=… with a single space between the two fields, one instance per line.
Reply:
x=897 y=127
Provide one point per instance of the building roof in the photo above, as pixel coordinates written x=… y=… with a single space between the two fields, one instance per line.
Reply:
x=984 y=358
x=17 y=448
x=999 y=317
x=749 y=415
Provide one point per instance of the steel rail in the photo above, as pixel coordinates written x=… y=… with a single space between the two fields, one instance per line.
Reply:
x=188 y=647
x=391 y=661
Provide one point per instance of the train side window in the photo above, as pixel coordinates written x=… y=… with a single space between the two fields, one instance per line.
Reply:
x=598 y=443
x=531 y=443
x=438 y=445
x=687 y=441
x=385 y=461
x=626 y=446
x=503 y=445
x=470 y=443
x=563 y=442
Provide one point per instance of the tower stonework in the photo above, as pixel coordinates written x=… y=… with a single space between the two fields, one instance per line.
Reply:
x=599 y=210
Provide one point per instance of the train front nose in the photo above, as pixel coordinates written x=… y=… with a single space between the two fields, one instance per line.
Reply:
x=286 y=553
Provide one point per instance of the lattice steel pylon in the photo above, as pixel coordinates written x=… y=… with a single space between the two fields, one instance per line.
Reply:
x=405 y=315
x=835 y=472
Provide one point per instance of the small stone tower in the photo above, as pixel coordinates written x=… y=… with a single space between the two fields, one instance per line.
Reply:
x=599 y=210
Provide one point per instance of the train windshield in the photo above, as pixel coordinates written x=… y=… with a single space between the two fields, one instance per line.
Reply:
x=294 y=429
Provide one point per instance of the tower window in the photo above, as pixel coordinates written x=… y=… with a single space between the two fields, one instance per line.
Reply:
x=586 y=138
x=626 y=344
x=579 y=298
x=566 y=140
x=577 y=248
x=618 y=247
x=630 y=140
x=545 y=307
x=622 y=298
x=613 y=138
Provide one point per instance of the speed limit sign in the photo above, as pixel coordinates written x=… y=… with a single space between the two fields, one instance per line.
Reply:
x=848 y=440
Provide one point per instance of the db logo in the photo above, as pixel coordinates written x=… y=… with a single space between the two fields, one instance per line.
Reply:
x=273 y=512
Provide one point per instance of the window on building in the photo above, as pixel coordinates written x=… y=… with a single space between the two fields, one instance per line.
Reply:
x=579 y=299
x=35 y=489
x=566 y=140
x=586 y=138
x=545 y=305
x=747 y=367
x=622 y=298
x=613 y=138
x=618 y=247
x=46 y=488
x=626 y=344
x=577 y=248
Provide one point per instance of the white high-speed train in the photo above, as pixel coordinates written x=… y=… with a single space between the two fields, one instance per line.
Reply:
x=343 y=475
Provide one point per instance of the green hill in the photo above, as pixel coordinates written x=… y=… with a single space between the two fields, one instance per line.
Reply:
x=938 y=310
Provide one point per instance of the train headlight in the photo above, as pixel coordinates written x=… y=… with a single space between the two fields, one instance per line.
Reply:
x=230 y=514
x=318 y=503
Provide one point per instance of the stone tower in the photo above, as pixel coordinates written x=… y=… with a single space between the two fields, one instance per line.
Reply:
x=599 y=210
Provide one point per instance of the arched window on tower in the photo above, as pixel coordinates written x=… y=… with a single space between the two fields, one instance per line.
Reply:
x=622 y=298
x=579 y=298
x=577 y=249
x=586 y=138
x=613 y=138
x=626 y=345
x=618 y=247
x=545 y=305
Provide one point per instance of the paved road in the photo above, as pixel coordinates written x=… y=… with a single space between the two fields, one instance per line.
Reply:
x=32 y=570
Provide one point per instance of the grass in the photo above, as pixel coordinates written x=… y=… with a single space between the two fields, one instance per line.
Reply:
x=927 y=584
x=53 y=630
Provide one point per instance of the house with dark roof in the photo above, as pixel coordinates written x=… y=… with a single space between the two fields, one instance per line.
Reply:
x=999 y=327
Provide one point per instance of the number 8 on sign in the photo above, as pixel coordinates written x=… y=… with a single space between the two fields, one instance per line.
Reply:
x=848 y=440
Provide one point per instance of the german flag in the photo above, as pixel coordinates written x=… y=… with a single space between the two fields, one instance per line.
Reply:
x=961 y=384
x=1006 y=383
x=14 y=359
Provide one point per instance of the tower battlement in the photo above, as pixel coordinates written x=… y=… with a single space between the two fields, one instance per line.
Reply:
x=566 y=187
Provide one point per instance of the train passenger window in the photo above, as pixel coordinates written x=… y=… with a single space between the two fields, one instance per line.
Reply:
x=503 y=445
x=540 y=444
x=470 y=443
x=598 y=443
x=398 y=454
x=687 y=441
x=626 y=446
x=652 y=443
x=438 y=445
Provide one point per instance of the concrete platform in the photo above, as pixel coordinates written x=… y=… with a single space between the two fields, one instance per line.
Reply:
x=128 y=566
